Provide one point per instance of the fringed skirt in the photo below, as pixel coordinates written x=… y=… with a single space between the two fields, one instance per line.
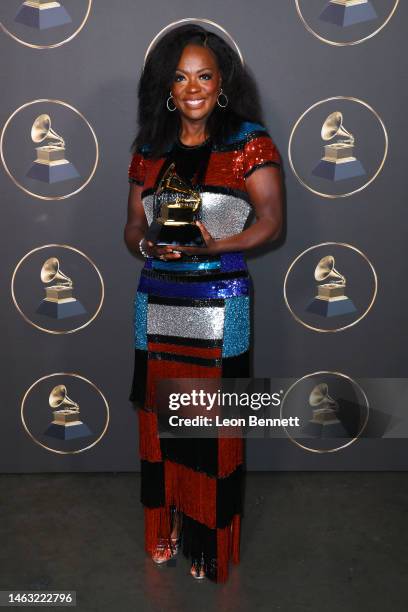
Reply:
x=192 y=320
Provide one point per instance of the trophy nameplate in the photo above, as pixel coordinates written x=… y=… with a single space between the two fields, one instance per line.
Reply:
x=178 y=204
x=345 y=13
x=42 y=14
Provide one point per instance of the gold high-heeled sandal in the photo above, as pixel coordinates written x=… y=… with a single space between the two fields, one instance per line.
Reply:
x=165 y=551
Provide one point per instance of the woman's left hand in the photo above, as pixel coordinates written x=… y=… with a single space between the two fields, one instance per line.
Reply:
x=210 y=244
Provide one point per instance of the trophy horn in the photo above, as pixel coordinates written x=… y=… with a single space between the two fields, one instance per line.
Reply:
x=325 y=270
x=50 y=271
x=333 y=126
x=59 y=399
x=41 y=130
x=320 y=395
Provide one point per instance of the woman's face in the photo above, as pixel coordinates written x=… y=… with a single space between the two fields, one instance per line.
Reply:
x=197 y=83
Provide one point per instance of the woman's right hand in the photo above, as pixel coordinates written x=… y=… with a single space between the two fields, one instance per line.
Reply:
x=164 y=252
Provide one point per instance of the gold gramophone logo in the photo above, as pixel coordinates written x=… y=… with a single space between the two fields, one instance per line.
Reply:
x=331 y=407
x=42 y=14
x=57 y=289
x=345 y=13
x=40 y=24
x=338 y=161
x=345 y=287
x=177 y=204
x=330 y=300
x=57 y=134
x=345 y=22
x=65 y=413
x=328 y=157
x=50 y=166
x=66 y=424
x=324 y=422
x=59 y=302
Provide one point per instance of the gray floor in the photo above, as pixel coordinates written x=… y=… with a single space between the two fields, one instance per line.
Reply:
x=321 y=542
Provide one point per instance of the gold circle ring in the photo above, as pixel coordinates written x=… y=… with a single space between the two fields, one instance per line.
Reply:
x=53 y=450
x=172 y=25
x=344 y=44
x=343 y=244
x=44 y=329
x=31 y=193
x=62 y=42
x=330 y=450
x=340 y=195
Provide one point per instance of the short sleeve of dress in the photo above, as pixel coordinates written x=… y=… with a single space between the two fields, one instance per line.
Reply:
x=137 y=169
x=260 y=151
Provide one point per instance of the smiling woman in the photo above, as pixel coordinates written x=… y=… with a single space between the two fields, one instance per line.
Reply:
x=200 y=119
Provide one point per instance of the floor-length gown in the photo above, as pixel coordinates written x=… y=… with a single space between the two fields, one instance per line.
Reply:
x=192 y=320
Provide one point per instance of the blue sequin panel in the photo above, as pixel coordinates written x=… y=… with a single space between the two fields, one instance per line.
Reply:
x=140 y=320
x=236 y=326
x=211 y=289
x=246 y=128
x=233 y=261
x=185 y=266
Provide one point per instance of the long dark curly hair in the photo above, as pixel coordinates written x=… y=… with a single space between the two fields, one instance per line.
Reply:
x=158 y=128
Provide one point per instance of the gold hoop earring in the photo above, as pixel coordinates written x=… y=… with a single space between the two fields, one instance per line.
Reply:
x=225 y=98
x=167 y=103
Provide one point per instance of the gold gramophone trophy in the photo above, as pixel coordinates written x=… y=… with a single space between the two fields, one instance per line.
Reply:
x=345 y=13
x=324 y=422
x=65 y=424
x=42 y=14
x=59 y=302
x=50 y=165
x=338 y=162
x=178 y=204
x=330 y=300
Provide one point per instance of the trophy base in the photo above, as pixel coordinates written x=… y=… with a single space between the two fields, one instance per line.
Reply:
x=61 y=310
x=344 y=16
x=331 y=308
x=55 y=173
x=41 y=19
x=327 y=430
x=168 y=234
x=333 y=171
x=68 y=432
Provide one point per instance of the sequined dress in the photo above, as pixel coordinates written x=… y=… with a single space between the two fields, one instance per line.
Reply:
x=192 y=320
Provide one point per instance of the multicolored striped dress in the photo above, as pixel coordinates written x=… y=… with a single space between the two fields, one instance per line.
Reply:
x=192 y=320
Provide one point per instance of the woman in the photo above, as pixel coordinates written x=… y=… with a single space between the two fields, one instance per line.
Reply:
x=200 y=118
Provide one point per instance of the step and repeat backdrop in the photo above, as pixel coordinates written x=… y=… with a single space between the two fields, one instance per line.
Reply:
x=330 y=307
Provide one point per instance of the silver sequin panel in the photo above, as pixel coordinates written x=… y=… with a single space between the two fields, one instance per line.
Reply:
x=148 y=207
x=223 y=215
x=186 y=321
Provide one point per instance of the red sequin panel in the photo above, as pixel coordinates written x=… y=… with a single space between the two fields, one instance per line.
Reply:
x=225 y=168
x=191 y=351
x=228 y=547
x=163 y=368
x=137 y=168
x=259 y=151
x=194 y=493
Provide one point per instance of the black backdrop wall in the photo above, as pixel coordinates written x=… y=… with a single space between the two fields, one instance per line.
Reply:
x=96 y=72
